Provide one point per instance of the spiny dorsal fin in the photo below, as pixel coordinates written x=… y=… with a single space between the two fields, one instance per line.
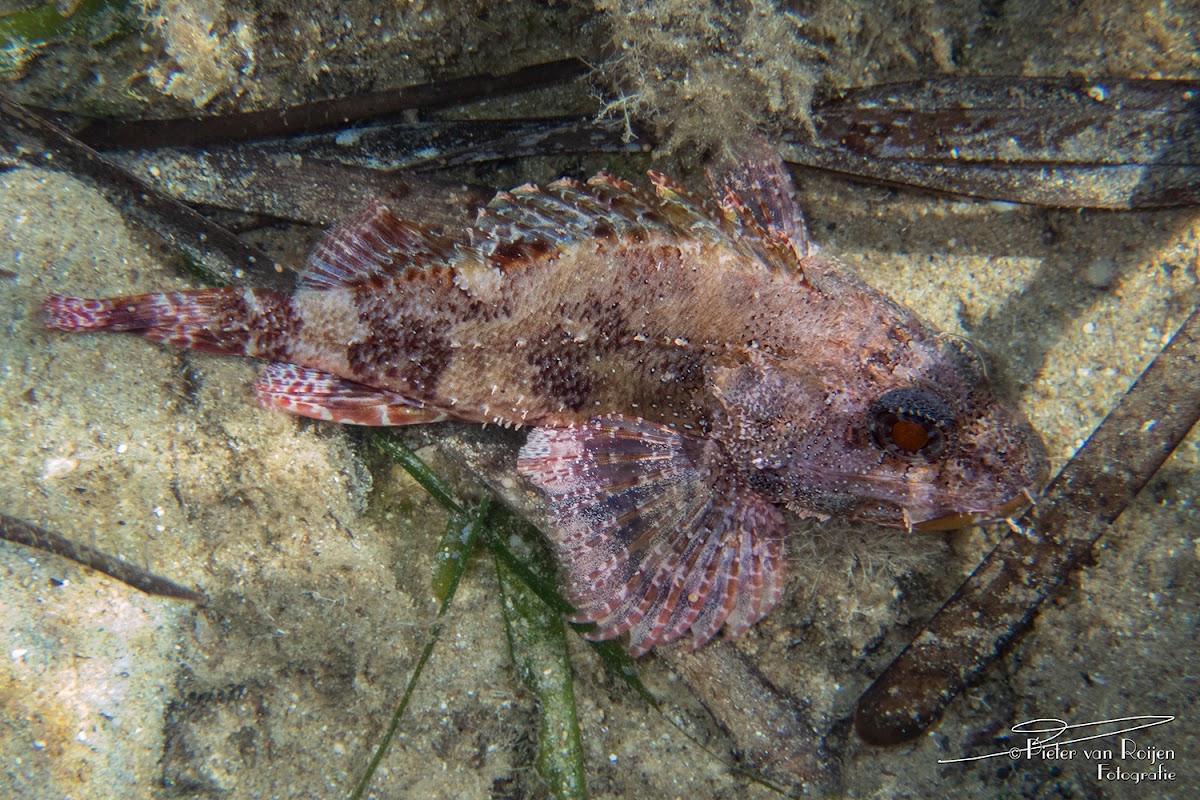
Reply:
x=568 y=211
x=754 y=190
x=686 y=210
x=372 y=243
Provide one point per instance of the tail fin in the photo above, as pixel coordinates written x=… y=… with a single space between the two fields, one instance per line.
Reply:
x=230 y=321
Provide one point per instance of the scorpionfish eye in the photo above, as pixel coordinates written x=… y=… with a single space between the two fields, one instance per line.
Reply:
x=911 y=423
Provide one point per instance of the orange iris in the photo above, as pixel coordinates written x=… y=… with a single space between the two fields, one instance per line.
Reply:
x=909 y=436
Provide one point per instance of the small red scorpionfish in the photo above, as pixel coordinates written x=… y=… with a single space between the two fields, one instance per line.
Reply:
x=688 y=368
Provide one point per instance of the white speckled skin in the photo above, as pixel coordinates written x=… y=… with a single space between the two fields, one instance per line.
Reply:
x=690 y=368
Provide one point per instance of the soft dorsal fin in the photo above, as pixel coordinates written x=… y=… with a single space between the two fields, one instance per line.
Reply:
x=754 y=190
x=372 y=243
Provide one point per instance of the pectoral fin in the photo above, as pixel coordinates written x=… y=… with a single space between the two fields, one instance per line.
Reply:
x=656 y=541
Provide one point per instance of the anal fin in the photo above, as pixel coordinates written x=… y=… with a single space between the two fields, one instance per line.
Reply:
x=319 y=395
x=656 y=542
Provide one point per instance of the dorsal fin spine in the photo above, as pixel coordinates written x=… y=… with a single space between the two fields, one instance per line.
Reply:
x=754 y=189
x=754 y=211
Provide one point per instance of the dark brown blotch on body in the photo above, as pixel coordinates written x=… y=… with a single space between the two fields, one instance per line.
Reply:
x=229 y=329
x=413 y=354
x=561 y=368
x=412 y=346
x=277 y=327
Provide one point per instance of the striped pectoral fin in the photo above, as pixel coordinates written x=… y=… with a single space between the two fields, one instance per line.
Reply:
x=655 y=542
x=311 y=393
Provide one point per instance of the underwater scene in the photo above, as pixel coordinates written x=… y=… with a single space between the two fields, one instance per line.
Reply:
x=554 y=399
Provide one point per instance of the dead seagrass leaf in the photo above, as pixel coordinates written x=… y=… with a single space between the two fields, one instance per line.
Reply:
x=1111 y=143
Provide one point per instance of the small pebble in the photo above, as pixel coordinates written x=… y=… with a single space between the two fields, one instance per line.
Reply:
x=1101 y=272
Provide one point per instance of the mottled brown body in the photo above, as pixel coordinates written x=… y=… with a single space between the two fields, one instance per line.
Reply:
x=608 y=325
x=663 y=330
x=688 y=368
